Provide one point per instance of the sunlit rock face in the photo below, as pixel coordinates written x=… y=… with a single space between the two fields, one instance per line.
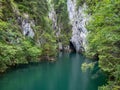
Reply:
x=78 y=20
x=27 y=26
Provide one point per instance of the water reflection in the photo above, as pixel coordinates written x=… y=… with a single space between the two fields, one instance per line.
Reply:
x=64 y=74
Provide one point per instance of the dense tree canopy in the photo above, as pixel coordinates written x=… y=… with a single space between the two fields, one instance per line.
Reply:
x=15 y=48
x=104 y=37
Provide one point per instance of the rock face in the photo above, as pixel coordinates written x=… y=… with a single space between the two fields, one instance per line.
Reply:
x=27 y=26
x=78 y=20
x=57 y=29
x=53 y=16
x=25 y=23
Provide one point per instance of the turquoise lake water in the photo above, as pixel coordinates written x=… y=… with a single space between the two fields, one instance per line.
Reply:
x=64 y=74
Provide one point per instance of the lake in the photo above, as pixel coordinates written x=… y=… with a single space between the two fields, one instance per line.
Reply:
x=64 y=74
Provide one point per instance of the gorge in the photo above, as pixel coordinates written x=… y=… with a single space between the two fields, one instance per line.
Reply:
x=32 y=31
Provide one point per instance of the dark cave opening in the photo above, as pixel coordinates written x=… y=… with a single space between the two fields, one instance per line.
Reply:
x=72 y=47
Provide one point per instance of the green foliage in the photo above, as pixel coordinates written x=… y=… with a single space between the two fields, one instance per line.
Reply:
x=85 y=66
x=31 y=51
x=92 y=4
x=37 y=9
x=15 y=54
x=1 y=14
x=79 y=3
x=63 y=21
x=14 y=47
x=104 y=37
x=49 y=48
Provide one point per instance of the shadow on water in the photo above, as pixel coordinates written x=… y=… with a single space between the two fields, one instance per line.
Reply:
x=64 y=74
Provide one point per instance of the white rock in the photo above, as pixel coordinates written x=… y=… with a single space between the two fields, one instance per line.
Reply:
x=78 y=20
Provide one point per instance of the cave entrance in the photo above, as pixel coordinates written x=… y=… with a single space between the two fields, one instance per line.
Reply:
x=72 y=47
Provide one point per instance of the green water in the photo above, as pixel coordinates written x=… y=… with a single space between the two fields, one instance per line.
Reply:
x=64 y=74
